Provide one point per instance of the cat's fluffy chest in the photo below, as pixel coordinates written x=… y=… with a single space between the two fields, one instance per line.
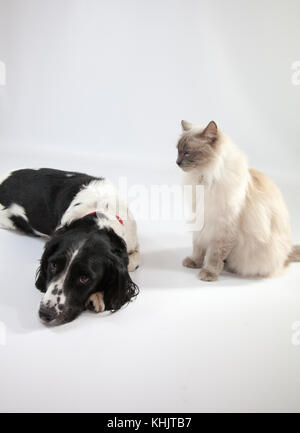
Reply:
x=215 y=214
x=221 y=207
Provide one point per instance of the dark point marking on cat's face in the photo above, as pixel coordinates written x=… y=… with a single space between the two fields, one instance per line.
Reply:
x=197 y=149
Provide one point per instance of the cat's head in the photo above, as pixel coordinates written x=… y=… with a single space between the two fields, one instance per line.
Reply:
x=198 y=147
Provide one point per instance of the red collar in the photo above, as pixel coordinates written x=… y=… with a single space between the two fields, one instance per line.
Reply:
x=117 y=216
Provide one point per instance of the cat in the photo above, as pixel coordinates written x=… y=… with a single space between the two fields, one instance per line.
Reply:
x=246 y=222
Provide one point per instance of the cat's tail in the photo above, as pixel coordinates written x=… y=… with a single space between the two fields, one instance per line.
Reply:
x=294 y=255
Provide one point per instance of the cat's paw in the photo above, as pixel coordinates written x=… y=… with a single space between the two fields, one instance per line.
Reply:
x=95 y=303
x=206 y=275
x=188 y=262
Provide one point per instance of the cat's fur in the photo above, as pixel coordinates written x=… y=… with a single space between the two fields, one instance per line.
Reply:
x=246 y=222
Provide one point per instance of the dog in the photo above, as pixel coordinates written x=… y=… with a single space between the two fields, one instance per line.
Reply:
x=91 y=239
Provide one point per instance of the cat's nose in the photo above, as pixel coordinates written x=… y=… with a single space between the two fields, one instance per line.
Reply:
x=179 y=161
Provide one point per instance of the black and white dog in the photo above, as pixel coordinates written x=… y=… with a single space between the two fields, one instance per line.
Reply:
x=92 y=239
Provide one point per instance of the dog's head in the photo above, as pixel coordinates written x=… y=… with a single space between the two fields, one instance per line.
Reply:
x=78 y=262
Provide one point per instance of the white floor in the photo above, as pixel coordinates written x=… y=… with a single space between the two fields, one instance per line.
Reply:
x=183 y=345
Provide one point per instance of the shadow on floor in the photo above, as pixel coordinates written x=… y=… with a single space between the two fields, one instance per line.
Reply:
x=163 y=269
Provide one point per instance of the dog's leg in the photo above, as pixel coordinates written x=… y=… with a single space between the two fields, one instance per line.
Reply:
x=134 y=260
x=5 y=221
x=95 y=303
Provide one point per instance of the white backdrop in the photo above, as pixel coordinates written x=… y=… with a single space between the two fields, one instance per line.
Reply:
x=95 y=75
x=101 y=86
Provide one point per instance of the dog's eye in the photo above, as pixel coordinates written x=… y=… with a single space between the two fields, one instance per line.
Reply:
x=84 y=280
x=53 y=267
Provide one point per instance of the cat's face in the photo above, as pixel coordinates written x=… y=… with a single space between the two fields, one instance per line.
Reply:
x=197 y=148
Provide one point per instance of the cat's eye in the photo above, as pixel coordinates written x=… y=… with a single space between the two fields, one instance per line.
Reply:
x=84 y=280
x=186 y=153
x=53 y=267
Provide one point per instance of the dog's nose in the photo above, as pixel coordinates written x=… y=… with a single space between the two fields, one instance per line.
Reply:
x=47 y=314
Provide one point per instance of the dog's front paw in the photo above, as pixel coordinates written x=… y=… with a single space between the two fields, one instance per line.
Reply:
x=134 y=261
x=188 y=262
x=95 y=303
x=132 y=267
x=206 y=275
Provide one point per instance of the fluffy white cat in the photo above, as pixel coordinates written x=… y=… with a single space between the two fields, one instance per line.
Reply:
x=246 y=222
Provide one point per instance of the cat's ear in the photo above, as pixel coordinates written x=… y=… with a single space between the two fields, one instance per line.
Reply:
x=210 y=133
x=186 y=126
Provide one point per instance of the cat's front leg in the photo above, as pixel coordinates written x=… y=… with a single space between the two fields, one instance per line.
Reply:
x=213 y=264
x=196 y=260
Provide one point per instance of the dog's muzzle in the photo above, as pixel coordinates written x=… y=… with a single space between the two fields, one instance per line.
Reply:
x=47 y=314
x=50 y=316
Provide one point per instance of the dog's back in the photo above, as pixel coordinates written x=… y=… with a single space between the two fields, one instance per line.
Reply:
x=39 y=196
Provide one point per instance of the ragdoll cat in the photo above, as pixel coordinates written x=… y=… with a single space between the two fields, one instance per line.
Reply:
x=246 y=222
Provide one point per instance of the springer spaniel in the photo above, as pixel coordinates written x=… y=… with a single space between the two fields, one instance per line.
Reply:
x=92 y=239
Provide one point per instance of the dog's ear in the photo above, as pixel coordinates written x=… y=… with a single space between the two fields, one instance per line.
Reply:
x=118 y=246
x=41 y=274
x=118 y=287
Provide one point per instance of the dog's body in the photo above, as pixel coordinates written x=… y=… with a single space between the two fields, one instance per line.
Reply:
x=91 y=233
